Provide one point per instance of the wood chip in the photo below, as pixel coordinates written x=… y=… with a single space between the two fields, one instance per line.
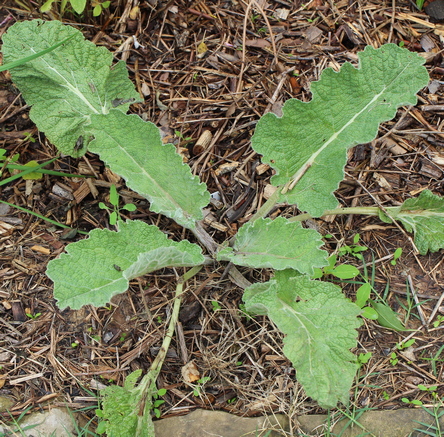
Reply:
x=41 y=249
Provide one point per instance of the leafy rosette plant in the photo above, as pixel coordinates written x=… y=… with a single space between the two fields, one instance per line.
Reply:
x=79 y=100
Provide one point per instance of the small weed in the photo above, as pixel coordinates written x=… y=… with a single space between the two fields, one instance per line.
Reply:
x=114 y=215
x=200 y=383
x=33 y=316
x=216 y=305
x=396 y=256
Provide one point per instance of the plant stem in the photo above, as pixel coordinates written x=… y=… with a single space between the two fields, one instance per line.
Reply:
x=147 y=385
x=364 y=210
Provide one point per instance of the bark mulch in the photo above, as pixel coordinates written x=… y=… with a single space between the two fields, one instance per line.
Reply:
x=208 y=70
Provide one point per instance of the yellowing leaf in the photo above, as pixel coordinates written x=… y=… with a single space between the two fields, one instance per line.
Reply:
x=34 y=175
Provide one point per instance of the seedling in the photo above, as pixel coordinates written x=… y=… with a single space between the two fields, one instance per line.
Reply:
x=355 y=249
x=364 y=358
x=415 y=402
x=396 y=255
x=216 y=305
x=33 y=316
x=200 y=383
x=114 y=215
x=438 y=321
x=309 y=148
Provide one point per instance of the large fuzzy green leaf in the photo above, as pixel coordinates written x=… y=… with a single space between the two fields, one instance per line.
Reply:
x=307 y=145
x=93 y=270
x=278 y=244
x=424 y=216
x=319 y=324
x=127 y=410
x=133 y=149
x=66 y=86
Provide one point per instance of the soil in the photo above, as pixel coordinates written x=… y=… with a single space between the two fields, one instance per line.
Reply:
x=196 y=79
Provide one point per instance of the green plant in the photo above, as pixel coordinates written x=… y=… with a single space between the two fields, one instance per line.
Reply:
x=396 y=256
x=114 y=216
x=420 y=4
x=436 y=413
x=355 y=249
x=216 y=305
x=33 y=316
x=200 y=383
x=78 y=6
x=306 y=147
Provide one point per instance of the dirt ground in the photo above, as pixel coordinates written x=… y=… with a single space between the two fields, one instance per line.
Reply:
x=187 y=59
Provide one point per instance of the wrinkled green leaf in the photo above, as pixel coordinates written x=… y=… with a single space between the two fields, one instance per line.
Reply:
x=93 y=270
x=66 y=86
x=122 y=411
x=320 y=328
x=133 y=149
x=308 y=144
x=424 y=216
x=278 y=244
x=386 y=316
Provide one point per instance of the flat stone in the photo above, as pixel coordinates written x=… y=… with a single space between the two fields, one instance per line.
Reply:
x=385 y=423
x=6 y=403
x=56 y=422
x=220 y=424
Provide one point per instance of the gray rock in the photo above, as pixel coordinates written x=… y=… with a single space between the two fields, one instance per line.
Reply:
x=384 y=423
x=56 y=422
x=202 y=423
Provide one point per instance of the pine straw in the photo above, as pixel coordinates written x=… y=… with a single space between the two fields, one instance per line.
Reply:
x=218 y=87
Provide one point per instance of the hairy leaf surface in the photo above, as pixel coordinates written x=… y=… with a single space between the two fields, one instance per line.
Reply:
x=93 y=270
x=122 y=409
x=424 y=216
x=277 y=244
x=320 y=327
x=308 y=144
x=133 y=149
x=66 y=86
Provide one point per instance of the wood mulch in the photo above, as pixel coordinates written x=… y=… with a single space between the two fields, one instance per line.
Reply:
x=208 y=70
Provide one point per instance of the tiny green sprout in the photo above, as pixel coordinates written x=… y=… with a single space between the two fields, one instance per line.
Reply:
x=98 y=7
x=96 y=338
x=159 y=320
x=438 y=321
x=414 y=402
x=401 y=44
x=200 y=383
x=158 y=402
x=232 y=400
x=396 y=255
x=393 y=359
x=355 y=249
x=420 y=4
x=29 y=137
x=123 y=337
x=74 y=344
x=364 y=358
x=239 y=363
x=385 y=395
x=33 y=316
x=407 y=344
x=216 y=305
x=326 y=235
x=431 y=389
x=114 y=215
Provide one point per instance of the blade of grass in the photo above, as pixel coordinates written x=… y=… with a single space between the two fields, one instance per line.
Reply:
x=43 y=171
x=41 y=216
x=22 y=61
x=28 y=170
